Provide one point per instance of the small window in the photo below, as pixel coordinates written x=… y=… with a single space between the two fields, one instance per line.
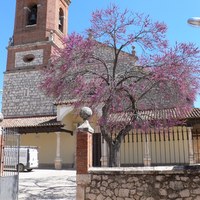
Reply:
x=28 y=58
x=61 y=20
x=32 y=15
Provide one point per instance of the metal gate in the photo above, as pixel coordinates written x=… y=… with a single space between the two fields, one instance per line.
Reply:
x=9 y=158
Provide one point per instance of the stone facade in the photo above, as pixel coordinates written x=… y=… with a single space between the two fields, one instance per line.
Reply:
x=37 y=58
x=22 y=96
x=143 y=185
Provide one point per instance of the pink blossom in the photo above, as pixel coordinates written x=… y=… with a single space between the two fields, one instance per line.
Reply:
x=99 y=71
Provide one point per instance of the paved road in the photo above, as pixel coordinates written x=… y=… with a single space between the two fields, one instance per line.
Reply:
x=47 y=184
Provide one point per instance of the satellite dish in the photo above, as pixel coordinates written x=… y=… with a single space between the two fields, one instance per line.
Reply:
x=194 y=21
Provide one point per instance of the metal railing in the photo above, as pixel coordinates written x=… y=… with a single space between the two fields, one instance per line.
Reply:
x=9 y=151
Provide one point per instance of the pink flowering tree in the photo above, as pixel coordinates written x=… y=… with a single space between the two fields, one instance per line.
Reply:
x=101 y=70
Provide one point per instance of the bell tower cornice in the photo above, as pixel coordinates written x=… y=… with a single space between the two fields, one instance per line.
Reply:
x=68 y=2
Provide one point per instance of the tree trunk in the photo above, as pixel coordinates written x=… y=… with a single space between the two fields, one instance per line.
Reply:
x=114 y=155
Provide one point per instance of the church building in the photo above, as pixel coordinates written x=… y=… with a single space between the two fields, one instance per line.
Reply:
x=40 y=26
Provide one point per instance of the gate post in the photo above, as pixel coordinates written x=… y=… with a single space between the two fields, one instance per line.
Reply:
x=83 y=153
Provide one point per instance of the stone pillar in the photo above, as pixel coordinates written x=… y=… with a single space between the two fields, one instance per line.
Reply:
x=84 y=148
x=58 y=161
x=104 y=153
x=191 y=152
x=83 y=155
x=147 y=156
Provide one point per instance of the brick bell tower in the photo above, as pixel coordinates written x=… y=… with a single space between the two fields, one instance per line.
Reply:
x=39 y=27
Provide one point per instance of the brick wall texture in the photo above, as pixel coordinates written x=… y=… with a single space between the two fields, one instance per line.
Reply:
x=84 y=152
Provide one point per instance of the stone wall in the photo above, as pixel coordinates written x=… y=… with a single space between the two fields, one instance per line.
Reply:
x=22 y=96
x=143 y=184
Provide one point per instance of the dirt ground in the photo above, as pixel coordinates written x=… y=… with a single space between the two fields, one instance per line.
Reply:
x=47 y=184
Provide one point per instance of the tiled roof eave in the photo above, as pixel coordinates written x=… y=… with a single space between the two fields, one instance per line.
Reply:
x=30 y=122
x=34 y=125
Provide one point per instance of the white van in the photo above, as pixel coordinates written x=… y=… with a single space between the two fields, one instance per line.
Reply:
x=28 y=158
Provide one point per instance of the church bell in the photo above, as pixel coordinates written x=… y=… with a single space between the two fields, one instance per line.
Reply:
x=33 y=17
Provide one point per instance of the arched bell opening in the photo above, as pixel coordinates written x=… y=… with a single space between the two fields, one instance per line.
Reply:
x=32 y=15
x=61 y=20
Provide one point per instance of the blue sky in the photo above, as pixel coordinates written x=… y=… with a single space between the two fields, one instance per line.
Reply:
x=173 y=12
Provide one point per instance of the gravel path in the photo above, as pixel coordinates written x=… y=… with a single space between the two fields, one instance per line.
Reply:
x=47 y=184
